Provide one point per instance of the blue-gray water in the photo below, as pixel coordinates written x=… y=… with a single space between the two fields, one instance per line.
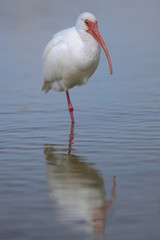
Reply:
x=101 y=179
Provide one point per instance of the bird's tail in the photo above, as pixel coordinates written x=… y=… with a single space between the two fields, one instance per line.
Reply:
x=46 y=86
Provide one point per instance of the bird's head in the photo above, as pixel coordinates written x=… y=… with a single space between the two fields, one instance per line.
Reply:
x=87 y=22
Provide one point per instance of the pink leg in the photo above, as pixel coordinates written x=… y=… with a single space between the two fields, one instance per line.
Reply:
x=70 y=107
x=71 y=137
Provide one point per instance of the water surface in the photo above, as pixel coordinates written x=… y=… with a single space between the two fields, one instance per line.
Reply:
x=98 y=179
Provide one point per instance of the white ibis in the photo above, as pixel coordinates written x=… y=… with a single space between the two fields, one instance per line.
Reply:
x=72 y=56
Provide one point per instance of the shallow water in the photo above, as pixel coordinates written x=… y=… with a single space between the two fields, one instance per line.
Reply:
x=98 y=179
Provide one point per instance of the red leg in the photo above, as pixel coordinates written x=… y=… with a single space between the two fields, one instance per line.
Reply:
x=70 y=107
x=71 y=137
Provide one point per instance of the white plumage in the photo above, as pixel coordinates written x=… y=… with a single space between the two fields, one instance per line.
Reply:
x=72 y=56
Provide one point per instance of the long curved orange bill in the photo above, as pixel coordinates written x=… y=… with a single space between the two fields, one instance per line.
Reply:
x=93 y=30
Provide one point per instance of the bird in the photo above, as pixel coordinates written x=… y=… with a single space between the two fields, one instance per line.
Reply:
x=72 y=56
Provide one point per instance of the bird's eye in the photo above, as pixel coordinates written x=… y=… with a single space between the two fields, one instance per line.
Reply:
x=86 y=22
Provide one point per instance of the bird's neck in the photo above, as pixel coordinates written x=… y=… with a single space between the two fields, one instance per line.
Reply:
x=90 y=45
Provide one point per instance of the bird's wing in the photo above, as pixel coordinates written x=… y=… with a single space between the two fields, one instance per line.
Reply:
x=55 y=58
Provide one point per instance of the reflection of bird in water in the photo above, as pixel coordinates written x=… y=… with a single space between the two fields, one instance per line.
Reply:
x=76 y=188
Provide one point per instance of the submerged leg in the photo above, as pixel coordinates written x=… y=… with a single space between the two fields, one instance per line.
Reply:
x=70 y=107
x=71 y=137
